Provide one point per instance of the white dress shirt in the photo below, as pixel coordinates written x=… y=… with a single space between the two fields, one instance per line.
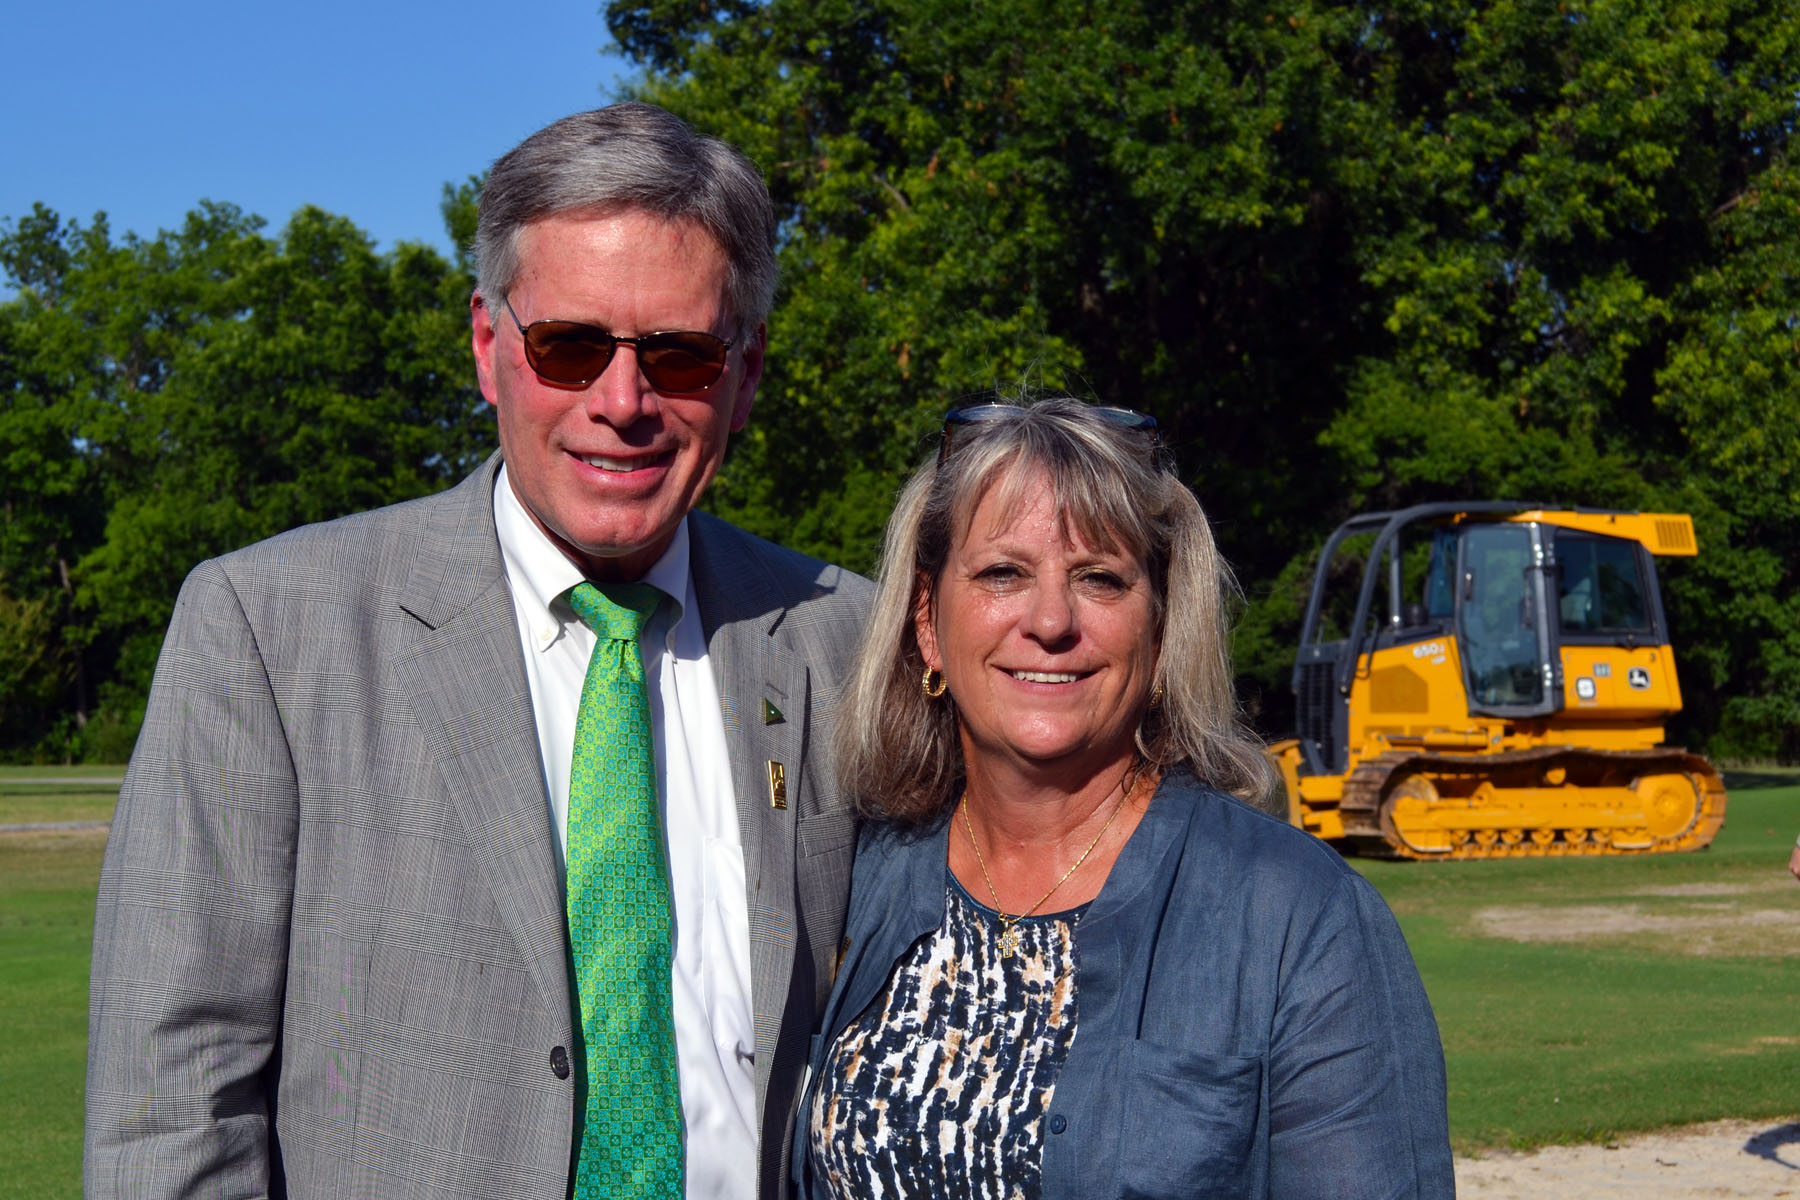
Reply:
x=715 y=1035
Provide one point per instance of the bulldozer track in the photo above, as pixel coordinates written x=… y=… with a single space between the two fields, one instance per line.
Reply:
x=1375 y=819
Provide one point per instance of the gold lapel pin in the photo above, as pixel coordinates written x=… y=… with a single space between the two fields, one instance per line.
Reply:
x=837 y=960
x=777 y=785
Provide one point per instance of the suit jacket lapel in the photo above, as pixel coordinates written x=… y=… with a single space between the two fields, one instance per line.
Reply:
x=469 y=693
x=740 y=612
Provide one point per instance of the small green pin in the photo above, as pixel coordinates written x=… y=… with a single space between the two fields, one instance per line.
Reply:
x=771 y=714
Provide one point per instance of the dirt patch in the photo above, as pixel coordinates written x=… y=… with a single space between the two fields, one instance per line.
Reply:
x=1722 y=1158
x=1703 y=929
x=1700 y=889
x=1757 y=1045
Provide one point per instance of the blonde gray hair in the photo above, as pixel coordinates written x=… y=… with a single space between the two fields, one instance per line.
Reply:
x=900 y=749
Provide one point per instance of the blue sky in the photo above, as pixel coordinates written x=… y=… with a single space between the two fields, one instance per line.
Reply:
x=364 y=109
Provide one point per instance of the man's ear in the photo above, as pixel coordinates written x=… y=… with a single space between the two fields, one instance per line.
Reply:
x=484 y=341
x=745 y=383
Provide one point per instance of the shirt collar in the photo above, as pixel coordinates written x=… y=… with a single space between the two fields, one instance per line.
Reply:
x=543 y=574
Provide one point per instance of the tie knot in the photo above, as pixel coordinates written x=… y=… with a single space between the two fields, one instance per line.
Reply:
x=614 y=610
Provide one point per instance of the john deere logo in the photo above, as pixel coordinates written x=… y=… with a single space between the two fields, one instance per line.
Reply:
x=1638 y=678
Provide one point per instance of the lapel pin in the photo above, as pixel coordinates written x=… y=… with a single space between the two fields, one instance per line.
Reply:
x=837 y=960
x=771 y=714
x=777 y=785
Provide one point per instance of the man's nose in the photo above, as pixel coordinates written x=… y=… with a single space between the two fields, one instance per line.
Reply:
x=621 y=396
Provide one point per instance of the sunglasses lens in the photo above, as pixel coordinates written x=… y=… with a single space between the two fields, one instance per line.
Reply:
x=1123 y=418
x=682 y=362
x=570 y=352
x=981 y=413
x=977 y=415
x=1126 y=418
x=567 y=352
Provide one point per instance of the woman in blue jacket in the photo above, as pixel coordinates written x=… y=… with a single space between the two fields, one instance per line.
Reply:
x=1079 y=961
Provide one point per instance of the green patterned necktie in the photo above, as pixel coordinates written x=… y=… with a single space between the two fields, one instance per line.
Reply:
x=619 y=924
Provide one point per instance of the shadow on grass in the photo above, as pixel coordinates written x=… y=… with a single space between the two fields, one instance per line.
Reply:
x=1737 y=781
x=1769 y=1143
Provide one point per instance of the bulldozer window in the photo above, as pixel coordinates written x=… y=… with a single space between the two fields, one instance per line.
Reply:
x=1440 y=581
x=1337 y=612
x=1599 y=588
x=1499 y=645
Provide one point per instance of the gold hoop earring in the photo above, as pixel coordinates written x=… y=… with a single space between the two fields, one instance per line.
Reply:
x=932 y=693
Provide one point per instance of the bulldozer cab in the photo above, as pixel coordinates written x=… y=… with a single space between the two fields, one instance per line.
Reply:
x=1502 y=587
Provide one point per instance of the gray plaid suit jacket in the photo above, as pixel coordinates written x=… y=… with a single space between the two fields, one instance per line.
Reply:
x=329 y=951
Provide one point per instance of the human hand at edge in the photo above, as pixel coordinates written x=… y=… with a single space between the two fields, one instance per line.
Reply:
x=1794 y=863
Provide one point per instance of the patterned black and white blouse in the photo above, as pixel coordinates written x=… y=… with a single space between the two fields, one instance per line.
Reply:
x=939 y=1089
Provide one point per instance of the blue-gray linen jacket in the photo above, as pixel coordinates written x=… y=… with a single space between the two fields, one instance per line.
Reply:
x=1250 y=1021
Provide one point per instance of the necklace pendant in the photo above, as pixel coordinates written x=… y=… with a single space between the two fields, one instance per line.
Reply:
x=1009 y=939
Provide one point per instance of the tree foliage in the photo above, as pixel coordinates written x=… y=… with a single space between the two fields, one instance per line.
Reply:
x=1351 y=256
x=168 y=399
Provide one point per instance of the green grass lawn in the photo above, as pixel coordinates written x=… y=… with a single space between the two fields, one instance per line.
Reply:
x=41 y=795
x=1652 y=991
x=1661 y=990
x=47 y=885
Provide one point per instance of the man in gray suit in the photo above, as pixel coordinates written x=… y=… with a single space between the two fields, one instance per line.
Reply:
x=331 y=957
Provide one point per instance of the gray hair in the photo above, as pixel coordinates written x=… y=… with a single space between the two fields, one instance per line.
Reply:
x=632 y=157
x=902 y=750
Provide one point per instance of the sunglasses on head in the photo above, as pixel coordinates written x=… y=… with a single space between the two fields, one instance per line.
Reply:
x=984 y=414
x=572 y=353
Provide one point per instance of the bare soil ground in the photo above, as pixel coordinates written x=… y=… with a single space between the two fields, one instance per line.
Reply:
x=1695 y=918
x=1718 y=1159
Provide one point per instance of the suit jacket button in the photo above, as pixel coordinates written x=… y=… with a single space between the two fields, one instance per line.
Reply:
x=559 y=1062
x=1058 y=1123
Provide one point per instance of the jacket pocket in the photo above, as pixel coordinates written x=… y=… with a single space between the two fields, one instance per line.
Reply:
x=827 y=833
x=1191 y=1123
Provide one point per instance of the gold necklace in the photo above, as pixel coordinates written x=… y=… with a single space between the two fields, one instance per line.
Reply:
x=1009 y=934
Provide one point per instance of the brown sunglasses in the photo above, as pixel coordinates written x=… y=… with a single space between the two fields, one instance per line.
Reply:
x=569 y=352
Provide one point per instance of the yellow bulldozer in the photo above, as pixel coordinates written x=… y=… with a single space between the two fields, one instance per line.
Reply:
x=1491 y=679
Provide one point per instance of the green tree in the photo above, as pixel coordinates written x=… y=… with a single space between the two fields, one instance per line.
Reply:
x=173 y=398
x=1588 y=295
x=52 y=489
x=1731 y=384
x=1106 y=199
x=1351 y=256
